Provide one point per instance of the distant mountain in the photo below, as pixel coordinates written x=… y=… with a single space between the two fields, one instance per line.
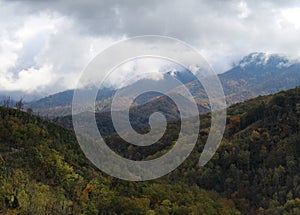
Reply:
x=260 y=74
x=59 y=104
x=256 y=74
x=184 y=76
x=65 y=99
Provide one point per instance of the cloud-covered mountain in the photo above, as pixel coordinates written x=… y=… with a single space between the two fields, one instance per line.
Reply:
x=255 y=74
x=260 y=74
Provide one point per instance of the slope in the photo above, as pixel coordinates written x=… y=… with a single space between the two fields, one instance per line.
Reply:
x=43 y=171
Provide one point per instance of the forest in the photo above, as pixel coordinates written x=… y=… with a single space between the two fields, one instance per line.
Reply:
x=255 y=170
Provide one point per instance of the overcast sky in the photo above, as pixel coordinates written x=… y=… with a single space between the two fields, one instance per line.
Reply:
x=44 y=45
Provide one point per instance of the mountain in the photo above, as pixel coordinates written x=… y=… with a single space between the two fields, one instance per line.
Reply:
x=64 y=98
x=184 y=76
x=260 y=74
x=256 y=74
x=59 y=104
x=43 y=170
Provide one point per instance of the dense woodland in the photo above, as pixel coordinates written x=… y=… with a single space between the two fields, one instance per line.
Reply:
x=43 y=171
x=255 y=170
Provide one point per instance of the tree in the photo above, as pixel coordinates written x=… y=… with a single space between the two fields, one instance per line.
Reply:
x=6 y=102
x=30 y=111
x=20 y=104
x=234 y=125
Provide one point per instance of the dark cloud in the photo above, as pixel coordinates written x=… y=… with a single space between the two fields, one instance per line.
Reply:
x=183 y=19
x=223 y=25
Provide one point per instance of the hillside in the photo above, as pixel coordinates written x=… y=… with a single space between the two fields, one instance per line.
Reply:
x=43 y=171
x=257 y=163
x=139 y=115
x=256 y=167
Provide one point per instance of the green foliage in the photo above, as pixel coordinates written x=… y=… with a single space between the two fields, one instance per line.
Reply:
x=255 y=170
x=257 y=164
x=43 y=171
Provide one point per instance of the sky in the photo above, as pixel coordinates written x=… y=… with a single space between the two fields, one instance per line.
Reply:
x=45 y=45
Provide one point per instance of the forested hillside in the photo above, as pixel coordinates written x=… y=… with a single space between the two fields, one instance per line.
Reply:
x=43 y=171
x=255 y=170
x=257 y=164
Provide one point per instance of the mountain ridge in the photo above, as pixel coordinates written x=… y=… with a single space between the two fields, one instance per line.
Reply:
x=255 y=74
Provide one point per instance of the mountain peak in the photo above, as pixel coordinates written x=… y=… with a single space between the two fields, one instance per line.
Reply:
x=173 y=72
x=258 y=59
x=184 y=76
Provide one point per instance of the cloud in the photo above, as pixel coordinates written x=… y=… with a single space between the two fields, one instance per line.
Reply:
x=40 y=77
x=42 y=52
x=133 y=70
x=63 y=36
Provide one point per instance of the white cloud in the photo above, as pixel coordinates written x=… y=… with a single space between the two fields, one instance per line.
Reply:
x=292 y=15
x=136 y=69
x=61 y=37
x=43 y=52
x=27 y=80
x=244 y=10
